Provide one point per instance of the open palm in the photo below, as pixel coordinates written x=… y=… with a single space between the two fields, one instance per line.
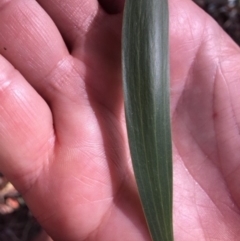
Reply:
x=62 y=130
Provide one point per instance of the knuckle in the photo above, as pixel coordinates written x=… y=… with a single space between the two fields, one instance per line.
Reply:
x=64 y=79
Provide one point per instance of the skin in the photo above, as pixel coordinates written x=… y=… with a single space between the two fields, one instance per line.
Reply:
x=62 y=128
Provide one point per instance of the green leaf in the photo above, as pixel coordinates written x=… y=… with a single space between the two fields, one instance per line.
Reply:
x=146 y=93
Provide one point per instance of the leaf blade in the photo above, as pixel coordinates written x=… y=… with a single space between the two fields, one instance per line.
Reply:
x=146 y=92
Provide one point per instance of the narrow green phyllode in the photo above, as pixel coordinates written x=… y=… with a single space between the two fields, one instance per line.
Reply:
x=146 y=93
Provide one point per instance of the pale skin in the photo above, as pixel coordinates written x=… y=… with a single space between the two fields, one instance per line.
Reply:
x=62 y=131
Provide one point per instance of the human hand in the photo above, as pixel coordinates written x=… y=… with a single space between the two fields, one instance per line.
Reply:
x=63 y=141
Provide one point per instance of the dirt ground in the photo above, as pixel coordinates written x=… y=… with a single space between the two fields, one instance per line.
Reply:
x=16 y=221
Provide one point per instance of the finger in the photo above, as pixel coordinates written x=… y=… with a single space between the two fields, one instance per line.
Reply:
x=94 y=38
x=31 y=42
x=73 y=17
x=26 y=133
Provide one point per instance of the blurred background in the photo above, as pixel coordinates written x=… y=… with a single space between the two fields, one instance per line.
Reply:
x=226 y=13
x=16 y=221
